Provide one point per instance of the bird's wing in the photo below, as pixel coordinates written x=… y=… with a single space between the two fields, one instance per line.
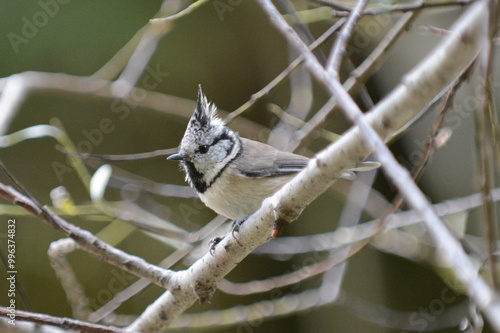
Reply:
x=260 y=160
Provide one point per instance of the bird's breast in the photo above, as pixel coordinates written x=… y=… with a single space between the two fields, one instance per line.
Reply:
x=236 y=196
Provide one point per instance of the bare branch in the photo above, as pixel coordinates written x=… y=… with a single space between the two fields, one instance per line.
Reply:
x=89 y=242
x=343 y=236
x=369 y=66
x=63 y=322
x=485 y=141
x=344 y=10
x=280 y=77
x=339 y=47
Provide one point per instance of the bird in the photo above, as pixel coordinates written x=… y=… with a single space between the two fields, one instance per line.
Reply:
x=232 y=175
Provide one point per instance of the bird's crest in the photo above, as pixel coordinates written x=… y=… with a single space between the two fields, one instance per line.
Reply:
x=205 y=113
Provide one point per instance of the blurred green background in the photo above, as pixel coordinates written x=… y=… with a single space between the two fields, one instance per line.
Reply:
x=232 y=55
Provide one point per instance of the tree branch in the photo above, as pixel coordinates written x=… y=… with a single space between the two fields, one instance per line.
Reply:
x=340 y=44
x=88 y=242
x=63 y=322
x=343 y=10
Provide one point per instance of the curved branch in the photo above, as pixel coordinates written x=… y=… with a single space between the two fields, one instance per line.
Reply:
x=88 y=242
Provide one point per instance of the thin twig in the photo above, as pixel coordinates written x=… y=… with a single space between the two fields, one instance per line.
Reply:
x=63 y=322
x=289 y=10
x=301 y=85
x=429 y=145
x=118 y=157
x=122 y=177
x=485 y=141
x=331 y=285
x=245 y=315
x=427 y=29
x=188 y=10
x=370 y=229
x=344 y=10
x=335 y=58
x=135 y=67
x=339 y=256
x=19 y=287
x=97 y=88
x=280 y=77
x=207 y=232
x=124 y=295
x=326 y=134
x=382 y=316
x=336 y=259
x=381 y=52
x=139 y=52
x=369 y=66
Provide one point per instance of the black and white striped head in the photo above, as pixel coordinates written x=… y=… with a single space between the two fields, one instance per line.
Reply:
x=208 y=146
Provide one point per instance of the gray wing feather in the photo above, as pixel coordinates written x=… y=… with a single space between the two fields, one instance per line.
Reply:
x=260 y=160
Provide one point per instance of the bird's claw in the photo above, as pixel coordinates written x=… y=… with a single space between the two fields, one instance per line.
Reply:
x=213 y=243
x=236 y=227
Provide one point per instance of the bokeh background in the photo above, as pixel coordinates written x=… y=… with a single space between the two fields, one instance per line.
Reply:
x=233 y=55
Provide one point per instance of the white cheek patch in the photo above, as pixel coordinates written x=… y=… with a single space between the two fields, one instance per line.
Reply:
x=221 y=150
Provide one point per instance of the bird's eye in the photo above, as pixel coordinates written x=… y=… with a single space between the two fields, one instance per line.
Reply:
x=203 y=149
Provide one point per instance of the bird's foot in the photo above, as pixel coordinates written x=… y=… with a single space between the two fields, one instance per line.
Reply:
x=236 y=226
x=213 y=243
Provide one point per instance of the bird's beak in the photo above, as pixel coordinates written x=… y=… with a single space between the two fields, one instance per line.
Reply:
x=177 y=157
